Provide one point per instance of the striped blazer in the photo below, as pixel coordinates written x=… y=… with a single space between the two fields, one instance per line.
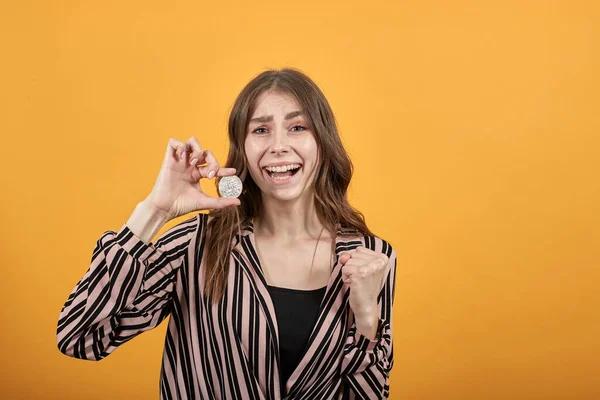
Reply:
x=227 y=350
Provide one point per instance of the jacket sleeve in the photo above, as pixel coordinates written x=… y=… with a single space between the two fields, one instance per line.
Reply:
x=126 y=290
x=366 y=363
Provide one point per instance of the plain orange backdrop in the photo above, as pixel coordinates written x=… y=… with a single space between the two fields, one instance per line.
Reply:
x=473 y=127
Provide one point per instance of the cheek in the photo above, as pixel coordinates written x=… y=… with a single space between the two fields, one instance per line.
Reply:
x=253 y=154
x=309 y=149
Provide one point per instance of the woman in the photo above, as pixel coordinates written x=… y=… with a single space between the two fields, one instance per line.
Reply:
x=283 y=293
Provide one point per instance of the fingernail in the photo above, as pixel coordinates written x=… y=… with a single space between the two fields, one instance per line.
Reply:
x=211 y=174
x=194 y=161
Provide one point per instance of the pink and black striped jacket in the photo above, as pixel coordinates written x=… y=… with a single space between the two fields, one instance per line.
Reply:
x=227 y=350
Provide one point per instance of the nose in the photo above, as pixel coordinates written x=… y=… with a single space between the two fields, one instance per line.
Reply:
x=279 y=142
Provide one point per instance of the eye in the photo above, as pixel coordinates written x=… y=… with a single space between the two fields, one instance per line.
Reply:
x=258 y=129
x=299 y=126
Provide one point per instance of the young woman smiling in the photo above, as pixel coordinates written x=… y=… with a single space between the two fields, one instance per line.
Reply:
x=283 y=293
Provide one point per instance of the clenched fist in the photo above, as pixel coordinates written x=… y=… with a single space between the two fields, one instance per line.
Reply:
x=363 y=271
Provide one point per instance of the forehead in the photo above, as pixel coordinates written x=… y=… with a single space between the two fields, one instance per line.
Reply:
x=269 y=103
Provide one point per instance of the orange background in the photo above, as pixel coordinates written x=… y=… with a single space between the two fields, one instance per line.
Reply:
x=473 y=126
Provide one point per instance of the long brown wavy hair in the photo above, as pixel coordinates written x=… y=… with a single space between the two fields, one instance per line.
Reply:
x=331 y=180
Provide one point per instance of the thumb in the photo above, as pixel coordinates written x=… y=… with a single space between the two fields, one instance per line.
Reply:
x=216 y=203
x=344 y=257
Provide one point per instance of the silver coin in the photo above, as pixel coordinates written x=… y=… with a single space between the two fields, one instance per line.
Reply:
x=230 y=186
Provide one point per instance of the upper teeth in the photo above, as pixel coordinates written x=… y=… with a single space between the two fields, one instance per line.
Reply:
x=283 y=168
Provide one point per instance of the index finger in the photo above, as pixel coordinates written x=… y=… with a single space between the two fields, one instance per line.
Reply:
x=213 y=164
x=194 y=145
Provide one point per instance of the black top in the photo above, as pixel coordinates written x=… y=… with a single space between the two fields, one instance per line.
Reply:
x=296 y=312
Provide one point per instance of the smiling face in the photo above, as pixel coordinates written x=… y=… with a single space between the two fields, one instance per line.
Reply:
x=280 y=148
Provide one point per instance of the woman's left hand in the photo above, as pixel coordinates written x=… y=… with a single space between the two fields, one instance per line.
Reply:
x=363 y=271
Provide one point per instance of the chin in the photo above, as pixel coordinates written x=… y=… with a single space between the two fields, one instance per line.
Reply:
x=285 y=195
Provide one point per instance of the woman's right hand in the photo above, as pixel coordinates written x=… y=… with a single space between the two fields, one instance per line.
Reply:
x=177 y=190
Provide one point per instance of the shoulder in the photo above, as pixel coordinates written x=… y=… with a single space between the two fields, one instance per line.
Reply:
x=183 y=232
x=379 y=245
x=351 y=238
x=204 y=219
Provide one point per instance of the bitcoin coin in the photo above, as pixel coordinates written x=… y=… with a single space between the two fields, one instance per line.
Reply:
x=230 y=186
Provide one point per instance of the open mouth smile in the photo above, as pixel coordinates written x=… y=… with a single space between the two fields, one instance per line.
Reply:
x=282 y=173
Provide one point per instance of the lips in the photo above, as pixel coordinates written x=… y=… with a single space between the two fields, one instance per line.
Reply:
x=280 y=180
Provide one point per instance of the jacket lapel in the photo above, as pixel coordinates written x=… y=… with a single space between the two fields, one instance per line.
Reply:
x=329 y=332
x=244 y=251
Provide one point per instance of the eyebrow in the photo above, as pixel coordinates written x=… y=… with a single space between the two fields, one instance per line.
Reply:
x=269 y=118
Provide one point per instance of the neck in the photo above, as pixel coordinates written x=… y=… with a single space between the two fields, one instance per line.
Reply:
x=289 y=221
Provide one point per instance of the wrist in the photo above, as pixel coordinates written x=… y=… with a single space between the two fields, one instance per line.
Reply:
x=152 y=210
x=367 y=325
x=367 y=312
x=146 y=220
